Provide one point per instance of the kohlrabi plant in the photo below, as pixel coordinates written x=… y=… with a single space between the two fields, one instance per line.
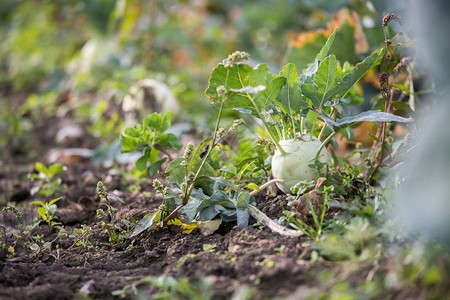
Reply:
x=301 y=113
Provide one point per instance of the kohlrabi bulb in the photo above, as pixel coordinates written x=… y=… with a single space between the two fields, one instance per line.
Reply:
x=293 y=166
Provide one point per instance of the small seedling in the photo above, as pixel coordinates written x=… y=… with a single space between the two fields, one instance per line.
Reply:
x=47 y=211
x=81 y=236
x=48 y=185
x=280 y=249
x=114 y=236
x=209 y=247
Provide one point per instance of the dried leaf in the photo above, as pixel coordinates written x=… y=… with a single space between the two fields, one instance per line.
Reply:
x=301 y=206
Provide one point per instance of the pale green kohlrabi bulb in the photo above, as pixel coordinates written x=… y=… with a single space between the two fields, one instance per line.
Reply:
x=293 y=166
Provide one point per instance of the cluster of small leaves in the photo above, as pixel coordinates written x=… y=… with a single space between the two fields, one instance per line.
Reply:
x=150 y=138
x=227 y=201
x=80 y=236
x=250 y=163
x=47 y=211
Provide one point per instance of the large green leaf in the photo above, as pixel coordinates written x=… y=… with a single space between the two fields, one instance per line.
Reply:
x=358 y=72
x=326 y=48
x=149 y=221
x=266 y=97
x=245 y=86
x=191 y=209
x=310 y=72
x=328 y=85
x=290 y=97
x=230 y=78
x=325 y=83
x=370 y=116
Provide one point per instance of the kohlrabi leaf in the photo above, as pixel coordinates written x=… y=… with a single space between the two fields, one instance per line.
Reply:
x=247 y=87
x=243 y=200
x=243 y=110
x=147 y=222
x=370 y=116
x=324 y=51
x=358 y=72
x=266 y=97
x=325 y=83
x=230 y=78
x=310 y=72
x=250 y=89
x=328 y=85
x=290 y=98
x=252 y=86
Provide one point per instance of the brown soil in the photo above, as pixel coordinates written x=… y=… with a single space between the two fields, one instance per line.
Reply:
x=254 y=257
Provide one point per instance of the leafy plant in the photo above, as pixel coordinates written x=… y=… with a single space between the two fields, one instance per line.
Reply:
x=47 y=184
x=81 y=236
x=47 y=211
x=203 y=196
x=209 y=247
x=290 y=106
x=150 y=138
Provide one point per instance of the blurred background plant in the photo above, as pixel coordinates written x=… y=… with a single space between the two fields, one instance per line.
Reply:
x=92 y=52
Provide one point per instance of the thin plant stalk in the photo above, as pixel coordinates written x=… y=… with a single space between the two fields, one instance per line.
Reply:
x=261 y=117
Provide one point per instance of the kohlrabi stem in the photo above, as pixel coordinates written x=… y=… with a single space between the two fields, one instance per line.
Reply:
x=313 y=125
x=261 y=117
x=265 y=185
x=283 y=125
x=272 y=137
x=280 y=133
x=302 y=124
x=321 y=131
x=325 y=125
x=274 y=226
x=324 y=143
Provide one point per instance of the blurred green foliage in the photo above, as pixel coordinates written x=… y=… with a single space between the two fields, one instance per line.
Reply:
x=90 y=45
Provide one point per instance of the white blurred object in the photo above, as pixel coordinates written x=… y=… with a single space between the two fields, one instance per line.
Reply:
x=147 y=96
x=423 y=200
